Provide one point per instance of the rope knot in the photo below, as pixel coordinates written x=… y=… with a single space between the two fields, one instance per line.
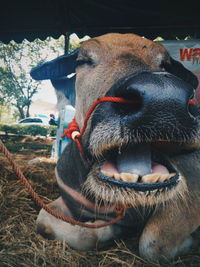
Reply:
x=72 y=132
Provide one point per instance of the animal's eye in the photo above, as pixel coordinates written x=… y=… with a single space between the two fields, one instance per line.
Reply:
x=81 y=62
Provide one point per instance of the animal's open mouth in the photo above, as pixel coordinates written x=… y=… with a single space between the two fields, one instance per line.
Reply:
x=138 y=167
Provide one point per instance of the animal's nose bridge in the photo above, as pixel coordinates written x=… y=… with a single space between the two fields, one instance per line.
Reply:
x=154 y=94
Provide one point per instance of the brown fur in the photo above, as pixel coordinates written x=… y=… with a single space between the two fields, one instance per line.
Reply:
x=109 y=53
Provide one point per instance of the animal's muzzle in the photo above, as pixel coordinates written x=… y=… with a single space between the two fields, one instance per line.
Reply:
x=159 y=98
x=157 y=109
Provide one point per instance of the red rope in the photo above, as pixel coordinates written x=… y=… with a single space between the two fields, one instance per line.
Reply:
x=193 y=102
x=119 y=210
x=73 y=132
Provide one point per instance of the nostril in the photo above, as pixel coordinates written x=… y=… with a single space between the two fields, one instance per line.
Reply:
x=129 y=108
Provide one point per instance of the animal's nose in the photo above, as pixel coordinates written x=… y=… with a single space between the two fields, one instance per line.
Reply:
x=156 y=96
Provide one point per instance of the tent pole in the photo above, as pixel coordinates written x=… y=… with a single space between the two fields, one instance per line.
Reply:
x=66 y=47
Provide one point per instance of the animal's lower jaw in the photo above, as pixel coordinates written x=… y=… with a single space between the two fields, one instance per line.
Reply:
x=108 y=193
x=155 y=188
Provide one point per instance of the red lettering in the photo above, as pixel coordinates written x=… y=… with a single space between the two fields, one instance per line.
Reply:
x=185 y=54
x=196 y=52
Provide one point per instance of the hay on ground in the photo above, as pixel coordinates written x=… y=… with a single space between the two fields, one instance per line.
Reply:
x=20 y=245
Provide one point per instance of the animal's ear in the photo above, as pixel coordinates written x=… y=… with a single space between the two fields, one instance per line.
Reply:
x=180 y=71
x=58 y=67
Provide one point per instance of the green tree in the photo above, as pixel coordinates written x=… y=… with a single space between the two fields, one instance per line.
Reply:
x=17 y=88
x=16 y=61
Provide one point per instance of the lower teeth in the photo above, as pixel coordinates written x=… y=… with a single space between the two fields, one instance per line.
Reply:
x=149 y=178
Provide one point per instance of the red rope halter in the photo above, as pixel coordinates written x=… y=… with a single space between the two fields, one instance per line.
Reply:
x=73 y=132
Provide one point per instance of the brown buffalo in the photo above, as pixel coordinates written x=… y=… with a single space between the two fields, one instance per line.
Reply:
x=143 y=155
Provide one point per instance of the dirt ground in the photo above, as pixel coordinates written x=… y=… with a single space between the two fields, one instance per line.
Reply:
x=20 y=245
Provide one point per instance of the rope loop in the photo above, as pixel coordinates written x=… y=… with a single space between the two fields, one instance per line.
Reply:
x=73 y=132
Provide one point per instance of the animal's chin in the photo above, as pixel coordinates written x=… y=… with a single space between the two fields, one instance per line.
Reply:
x=138 y=167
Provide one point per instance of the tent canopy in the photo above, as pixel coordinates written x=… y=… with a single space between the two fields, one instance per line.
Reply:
x=42 y=18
